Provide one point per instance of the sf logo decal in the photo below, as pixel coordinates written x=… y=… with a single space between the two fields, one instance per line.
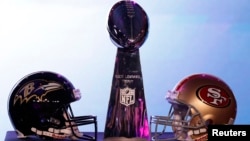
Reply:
x=213 y=96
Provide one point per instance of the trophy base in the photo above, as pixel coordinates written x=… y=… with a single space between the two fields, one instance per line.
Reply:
x=124 y=139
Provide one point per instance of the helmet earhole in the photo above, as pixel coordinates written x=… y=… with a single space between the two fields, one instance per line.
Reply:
x=209 y=122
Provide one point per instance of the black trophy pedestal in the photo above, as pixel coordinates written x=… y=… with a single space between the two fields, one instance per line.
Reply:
x=11 y=136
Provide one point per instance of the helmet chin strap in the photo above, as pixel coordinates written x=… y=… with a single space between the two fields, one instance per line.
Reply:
x=61 y=133
x=55 y=134
x=181 y=133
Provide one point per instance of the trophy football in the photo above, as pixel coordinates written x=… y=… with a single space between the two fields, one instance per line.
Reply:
x=127 y=113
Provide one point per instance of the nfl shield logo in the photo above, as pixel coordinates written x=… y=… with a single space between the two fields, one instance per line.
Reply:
x=127 y=96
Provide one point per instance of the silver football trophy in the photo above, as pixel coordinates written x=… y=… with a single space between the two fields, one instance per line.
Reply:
x=127 y=113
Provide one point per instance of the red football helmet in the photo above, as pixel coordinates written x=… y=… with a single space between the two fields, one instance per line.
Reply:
x=196 y=101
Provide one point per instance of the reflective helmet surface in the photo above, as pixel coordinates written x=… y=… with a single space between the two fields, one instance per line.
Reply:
x=197 y=101
x=39 y=106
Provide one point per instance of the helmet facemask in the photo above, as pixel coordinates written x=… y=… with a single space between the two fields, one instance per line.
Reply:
x=63 y=124
x=181 y=118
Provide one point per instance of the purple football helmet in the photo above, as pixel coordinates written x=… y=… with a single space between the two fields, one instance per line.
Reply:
x=39 y=106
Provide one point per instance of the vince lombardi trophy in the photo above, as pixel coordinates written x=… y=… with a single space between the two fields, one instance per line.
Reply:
x=126 y=118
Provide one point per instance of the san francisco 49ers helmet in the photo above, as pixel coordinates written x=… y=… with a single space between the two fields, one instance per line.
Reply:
x=196 y=101
x=39 y=106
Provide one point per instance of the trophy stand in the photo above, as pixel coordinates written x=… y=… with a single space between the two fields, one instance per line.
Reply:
x=127 y=113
